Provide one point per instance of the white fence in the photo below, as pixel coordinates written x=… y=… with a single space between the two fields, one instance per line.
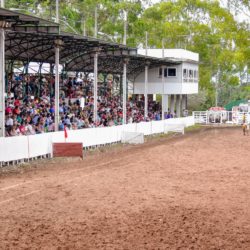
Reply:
x=223 y=117
x=26 y=147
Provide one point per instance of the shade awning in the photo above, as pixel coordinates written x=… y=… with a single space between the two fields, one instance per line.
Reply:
x=32 y=39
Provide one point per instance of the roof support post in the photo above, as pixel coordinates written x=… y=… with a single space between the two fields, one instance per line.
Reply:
x=178 y=106
x=120 y=84
x=40 y=69
x=165 y=104
x=2 y=80
x=162 y=96
x=26 y=68
x=95 y=84
x=124 y=93
x=172 y=105
x=183 y=103
x=51 y=70
x=146 y=91
x=58 y=43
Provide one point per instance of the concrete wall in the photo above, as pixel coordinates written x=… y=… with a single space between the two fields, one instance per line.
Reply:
x=153 y=76
x=170 y=85
x=180 y=54
x=25 y=147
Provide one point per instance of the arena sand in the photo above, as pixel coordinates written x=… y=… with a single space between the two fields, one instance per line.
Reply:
x=190 y=192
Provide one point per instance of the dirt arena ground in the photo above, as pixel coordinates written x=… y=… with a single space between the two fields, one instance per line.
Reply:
x=190 y=192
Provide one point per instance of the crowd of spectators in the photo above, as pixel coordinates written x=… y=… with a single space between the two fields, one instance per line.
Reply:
x=30 y=106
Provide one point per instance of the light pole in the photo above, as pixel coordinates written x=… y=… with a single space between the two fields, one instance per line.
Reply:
x=96 y=28
x=84 y=26
x=146 y=43
x=106 y=36
x=66 y=23
x=125 y=27
x=57 y=11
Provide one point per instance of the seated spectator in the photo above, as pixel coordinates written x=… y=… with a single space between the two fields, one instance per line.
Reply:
x=30 y=105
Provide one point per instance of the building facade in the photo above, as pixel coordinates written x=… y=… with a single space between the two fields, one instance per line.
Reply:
x=173 y=82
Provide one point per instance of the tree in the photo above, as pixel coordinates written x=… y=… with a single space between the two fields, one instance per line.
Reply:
x=202 y=26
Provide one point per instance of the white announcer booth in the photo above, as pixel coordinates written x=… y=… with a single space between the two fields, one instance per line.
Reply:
x=176 y=81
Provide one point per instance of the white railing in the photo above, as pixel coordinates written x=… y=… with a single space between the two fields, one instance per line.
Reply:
x=219 y=117
x=200 y=117
x=26 y=147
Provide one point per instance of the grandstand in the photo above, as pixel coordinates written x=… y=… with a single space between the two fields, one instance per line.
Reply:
x=39 y=102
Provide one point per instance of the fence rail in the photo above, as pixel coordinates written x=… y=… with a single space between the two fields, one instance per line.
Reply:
x=223 y=117
x=27 y=147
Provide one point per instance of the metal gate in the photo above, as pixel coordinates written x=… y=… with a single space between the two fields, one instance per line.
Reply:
x=220 y=117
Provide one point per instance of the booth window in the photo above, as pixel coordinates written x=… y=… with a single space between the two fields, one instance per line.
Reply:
x=165 y=72
x=160 y=72
x=191 y=74
x=171 y=71
x=196 y=75
x=168 y=72
x=185 y=73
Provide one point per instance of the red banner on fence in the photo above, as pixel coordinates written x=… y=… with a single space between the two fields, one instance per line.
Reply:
x=67 y=150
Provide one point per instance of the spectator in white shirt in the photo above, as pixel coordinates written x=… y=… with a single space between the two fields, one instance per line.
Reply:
x=9 y=121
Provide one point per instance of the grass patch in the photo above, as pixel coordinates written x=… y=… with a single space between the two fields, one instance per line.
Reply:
x=193 y=128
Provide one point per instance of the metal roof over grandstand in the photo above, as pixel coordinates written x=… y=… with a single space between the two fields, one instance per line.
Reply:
x=112 y=62
x=22 y=22
x=32 y=39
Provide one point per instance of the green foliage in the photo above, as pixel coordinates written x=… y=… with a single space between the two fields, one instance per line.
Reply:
x=233 y=80
x=202 y=26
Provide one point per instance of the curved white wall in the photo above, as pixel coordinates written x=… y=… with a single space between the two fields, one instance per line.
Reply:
x=25 y=147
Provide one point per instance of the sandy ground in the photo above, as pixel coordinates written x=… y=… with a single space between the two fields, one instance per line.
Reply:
x=191 y=192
